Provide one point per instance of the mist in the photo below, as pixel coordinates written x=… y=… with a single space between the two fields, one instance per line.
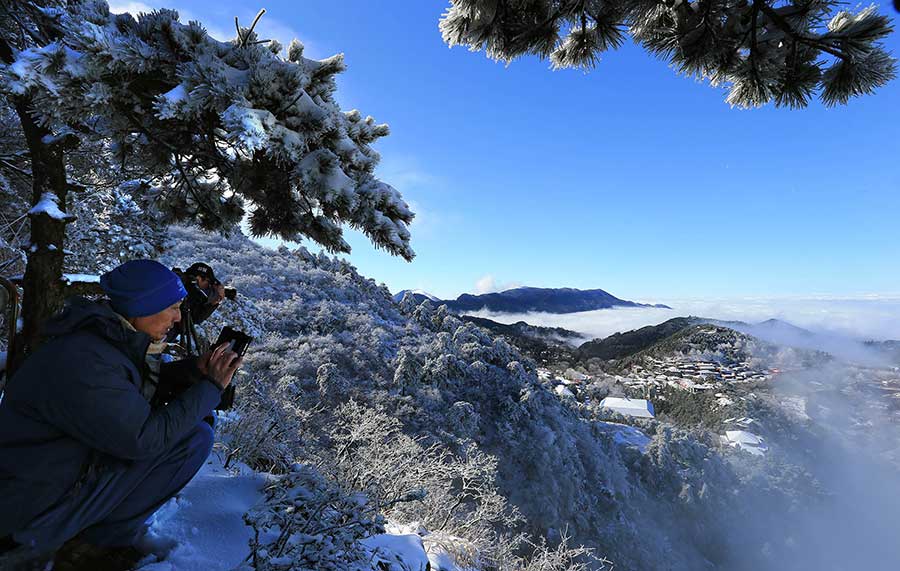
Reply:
x=847 y=444
x=857 y=319
x=827 y=494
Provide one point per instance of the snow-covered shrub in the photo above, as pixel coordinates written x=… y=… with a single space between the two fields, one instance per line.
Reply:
x=15 y=194
x=114 y=223
x=391 y=400
x=307 y=522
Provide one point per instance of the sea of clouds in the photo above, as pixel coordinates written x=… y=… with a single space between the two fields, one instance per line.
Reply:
x=861 y=318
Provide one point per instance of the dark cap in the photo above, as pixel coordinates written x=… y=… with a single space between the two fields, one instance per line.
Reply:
x=201 y=269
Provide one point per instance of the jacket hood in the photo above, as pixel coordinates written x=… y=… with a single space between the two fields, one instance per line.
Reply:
x=97 y=317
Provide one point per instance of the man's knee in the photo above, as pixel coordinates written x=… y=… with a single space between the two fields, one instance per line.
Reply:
x=201 y=440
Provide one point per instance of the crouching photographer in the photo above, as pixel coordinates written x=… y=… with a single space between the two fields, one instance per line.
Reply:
x=204 y=295
x=88 y=447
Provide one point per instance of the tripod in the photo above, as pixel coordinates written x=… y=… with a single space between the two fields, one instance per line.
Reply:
x=189 y=339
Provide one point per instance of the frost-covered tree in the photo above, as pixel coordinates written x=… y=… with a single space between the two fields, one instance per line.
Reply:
x=781 y=51
x=215 y=130
x=428 y=403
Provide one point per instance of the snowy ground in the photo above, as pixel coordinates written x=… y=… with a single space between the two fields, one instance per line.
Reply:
x=625 y=435
x=203 y=529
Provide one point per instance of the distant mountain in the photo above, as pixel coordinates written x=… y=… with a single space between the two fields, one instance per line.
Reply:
x=775 y=328
x=548 y=300
x=417 y=294
x=621 y=345
x=520 y=328
x=729 y=341
x=542 y=344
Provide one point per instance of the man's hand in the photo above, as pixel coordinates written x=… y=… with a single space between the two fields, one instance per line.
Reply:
x=220 y=364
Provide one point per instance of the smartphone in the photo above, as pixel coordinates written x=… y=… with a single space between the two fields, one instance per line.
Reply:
x=238 y=340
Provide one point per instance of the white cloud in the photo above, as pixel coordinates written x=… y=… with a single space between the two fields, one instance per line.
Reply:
x=270 y=28
x=405 y=172
x=133 y=8
x=865 y=317
x=219 y=26
x=488 y=284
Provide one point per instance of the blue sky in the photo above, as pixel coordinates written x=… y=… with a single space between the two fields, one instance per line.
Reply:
x=630 y=178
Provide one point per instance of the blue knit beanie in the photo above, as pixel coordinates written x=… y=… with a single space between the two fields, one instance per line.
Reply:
x=142 y=287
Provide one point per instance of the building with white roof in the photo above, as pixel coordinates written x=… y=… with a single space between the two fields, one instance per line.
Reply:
x=629 y=407
x=746 y=441
x=573 y=375
x=564 y=391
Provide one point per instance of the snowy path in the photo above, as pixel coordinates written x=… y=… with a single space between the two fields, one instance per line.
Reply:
x=203 y=528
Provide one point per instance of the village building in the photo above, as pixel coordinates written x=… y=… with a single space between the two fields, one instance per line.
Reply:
x=746 y=441
x=639 y=408
x=564 y=391
x=573 y=375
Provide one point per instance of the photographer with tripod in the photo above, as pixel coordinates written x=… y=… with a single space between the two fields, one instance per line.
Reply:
x=205 y=294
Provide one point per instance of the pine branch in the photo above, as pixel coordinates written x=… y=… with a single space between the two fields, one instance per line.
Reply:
x=786 y=27
x=242 y=38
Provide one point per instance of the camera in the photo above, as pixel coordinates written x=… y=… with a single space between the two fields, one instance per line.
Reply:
x=176 y=377
x=202 y=270
x=238 y=339
x=230 y=292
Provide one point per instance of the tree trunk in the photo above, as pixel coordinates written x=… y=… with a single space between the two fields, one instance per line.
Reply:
x=44 y=290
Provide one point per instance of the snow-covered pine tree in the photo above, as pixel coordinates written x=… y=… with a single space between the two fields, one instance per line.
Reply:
x=781 y=51
x=216 y=130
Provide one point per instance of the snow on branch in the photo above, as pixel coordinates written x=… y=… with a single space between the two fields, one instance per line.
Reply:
x=763 y=51
x=81 y=279
x=221 y=129
x=49 y=205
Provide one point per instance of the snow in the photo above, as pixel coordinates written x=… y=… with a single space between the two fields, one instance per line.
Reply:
x=170 y=101
x=439 y=546
x=248 y=127
x=307 y=107
x=49 y=205
x=629 y=407
x=625 y=435
x=176 y=94
x=563 y=391
x=202 y=529
x=397 y=552
x=81 y=278
x=796 y=405
x=2 y=361
x=425 y=293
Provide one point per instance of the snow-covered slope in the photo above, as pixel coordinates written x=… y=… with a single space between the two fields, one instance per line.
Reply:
x=423 y=401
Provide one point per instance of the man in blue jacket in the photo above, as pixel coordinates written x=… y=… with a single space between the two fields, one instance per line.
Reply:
x=82 y=451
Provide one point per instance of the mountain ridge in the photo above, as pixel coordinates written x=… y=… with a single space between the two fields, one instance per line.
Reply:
x=531 y=299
